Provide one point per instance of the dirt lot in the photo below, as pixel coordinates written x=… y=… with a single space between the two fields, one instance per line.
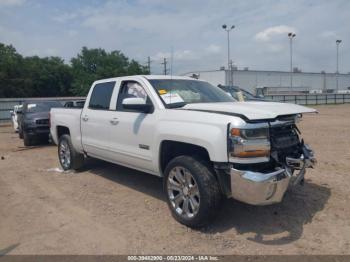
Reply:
x=108 y=209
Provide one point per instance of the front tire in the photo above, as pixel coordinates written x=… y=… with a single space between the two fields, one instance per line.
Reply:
x=69 y=158
x=193 y=193
x=28 y=140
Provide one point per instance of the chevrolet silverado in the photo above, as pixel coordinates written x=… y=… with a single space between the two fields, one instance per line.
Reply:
x=202 y=142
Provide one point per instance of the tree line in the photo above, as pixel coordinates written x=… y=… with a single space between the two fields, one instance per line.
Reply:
x=49 y=76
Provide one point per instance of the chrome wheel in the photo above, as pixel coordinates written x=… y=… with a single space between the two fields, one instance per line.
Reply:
x=183 y=192
x=64 y=153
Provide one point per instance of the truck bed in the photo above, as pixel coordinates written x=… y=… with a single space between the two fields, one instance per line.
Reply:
x=67 y=117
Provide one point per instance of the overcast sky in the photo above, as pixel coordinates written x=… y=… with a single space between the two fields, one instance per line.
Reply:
x=141 y=28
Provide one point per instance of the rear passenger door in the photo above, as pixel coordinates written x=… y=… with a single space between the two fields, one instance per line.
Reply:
x=95 y=121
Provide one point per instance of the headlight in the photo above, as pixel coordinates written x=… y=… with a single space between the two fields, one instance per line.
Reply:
x=249 y=143
x=250 y=134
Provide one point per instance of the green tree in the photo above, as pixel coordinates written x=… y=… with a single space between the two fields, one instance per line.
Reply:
x=11 y=65
x=94 y=64
x=50 y=76
x=32 y=76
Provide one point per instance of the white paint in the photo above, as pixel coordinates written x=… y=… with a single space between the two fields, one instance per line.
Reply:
x=120 y=143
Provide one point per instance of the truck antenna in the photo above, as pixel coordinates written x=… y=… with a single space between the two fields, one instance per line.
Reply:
x=171 y=61
x=171 y=68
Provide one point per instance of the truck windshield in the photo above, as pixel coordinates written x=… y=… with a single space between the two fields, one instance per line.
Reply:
x=177 y=93
x=234 y=90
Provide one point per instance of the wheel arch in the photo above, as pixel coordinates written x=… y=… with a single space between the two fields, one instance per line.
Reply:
x=169 y=149
x=62 y=130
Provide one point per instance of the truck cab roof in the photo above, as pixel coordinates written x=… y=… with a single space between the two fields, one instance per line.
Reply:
x=147 y=77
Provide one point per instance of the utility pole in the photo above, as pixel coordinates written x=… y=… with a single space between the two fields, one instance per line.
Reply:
x=230 y=80
x=165 y=62
x=337 y=72
x=291 y=36
x=231 y=72
x=149 y=61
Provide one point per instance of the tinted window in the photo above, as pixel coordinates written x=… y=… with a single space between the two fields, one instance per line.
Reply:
x=80 y=104
x=68 y=104
x=131 y=89
x=101 y=96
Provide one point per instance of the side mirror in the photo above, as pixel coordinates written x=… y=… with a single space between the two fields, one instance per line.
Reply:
x=137 y=104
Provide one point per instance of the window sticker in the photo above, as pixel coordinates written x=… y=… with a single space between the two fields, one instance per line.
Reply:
x=162 y=91
x=240 y=96
x=171 y=98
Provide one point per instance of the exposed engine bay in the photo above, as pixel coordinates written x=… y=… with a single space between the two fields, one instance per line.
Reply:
x=285 y=142
x=289 y=151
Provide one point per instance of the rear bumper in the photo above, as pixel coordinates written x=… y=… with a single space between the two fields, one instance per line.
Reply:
x=257 y=188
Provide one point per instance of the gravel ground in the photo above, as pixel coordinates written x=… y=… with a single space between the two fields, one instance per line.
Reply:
x=108 y=209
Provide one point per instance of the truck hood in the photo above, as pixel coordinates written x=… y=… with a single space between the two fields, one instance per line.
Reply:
x=251 y=110
x=37 y=115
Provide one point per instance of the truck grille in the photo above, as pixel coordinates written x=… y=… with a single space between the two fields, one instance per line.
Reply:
x=284 y=142
x=42 y=122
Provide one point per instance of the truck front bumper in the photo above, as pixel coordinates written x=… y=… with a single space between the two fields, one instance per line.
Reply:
x=37 y=131
x=258 y=188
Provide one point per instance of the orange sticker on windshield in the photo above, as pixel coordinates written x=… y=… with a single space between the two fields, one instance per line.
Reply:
x=162 y=91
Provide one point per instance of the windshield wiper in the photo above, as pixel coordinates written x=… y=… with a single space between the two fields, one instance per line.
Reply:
x=177 y=105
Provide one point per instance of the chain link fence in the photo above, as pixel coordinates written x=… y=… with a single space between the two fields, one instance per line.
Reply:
x=311 y=99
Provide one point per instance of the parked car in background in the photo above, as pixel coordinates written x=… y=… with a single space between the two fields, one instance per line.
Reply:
x=202 y=142
x=14 y=116
x=75 y=104
x=240 y=94
x=33 y=122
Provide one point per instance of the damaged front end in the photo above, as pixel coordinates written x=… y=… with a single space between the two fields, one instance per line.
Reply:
x=289 y=151
x=279 y=160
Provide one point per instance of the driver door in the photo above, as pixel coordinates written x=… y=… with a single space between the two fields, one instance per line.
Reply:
x=132 y=136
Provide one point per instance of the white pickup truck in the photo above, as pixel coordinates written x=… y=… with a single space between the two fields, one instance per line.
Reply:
x=204 y=143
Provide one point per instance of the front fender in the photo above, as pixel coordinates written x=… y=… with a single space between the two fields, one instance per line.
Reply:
x=211 y=137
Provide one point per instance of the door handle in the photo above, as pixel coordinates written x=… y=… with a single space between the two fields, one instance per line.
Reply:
x=114 y=121
x=85 y=118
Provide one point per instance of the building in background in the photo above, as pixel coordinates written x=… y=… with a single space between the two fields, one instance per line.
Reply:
x=277 y=82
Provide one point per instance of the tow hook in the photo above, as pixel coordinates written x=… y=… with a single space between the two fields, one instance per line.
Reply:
x=307 y=160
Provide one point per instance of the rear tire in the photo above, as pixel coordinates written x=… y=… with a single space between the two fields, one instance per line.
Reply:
x=27 y=139
x=69 y=158
x=193 y=193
